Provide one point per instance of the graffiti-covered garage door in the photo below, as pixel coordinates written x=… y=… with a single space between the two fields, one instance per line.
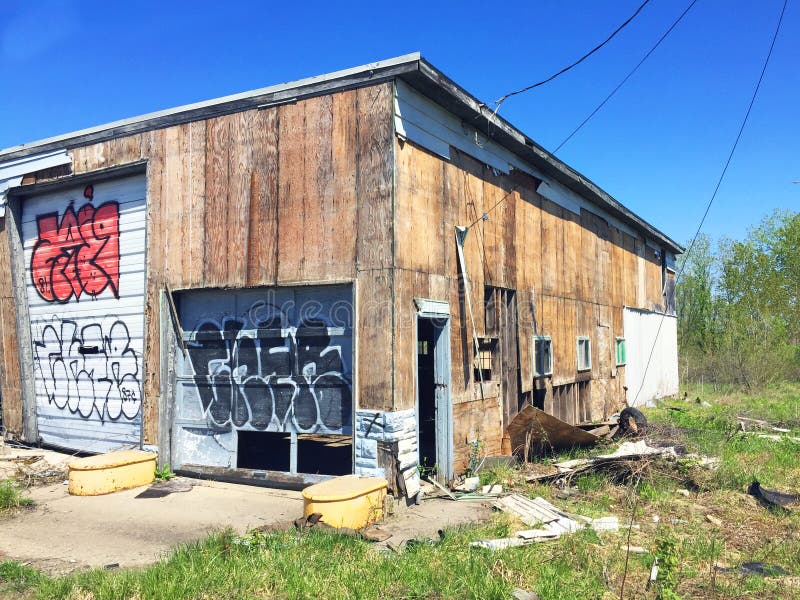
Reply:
x=263 y=362
x=84 y=251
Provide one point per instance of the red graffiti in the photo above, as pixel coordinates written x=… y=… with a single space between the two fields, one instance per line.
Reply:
x=79 y=255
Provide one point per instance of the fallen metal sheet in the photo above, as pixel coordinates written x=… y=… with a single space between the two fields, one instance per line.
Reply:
x=545 y=431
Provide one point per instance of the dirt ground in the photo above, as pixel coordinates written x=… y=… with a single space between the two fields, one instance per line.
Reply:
x=63 y=533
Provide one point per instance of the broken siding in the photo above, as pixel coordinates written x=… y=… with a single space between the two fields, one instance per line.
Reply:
x=569 y=271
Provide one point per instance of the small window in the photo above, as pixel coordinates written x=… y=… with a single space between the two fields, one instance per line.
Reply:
x=542 y=356
x=584 y=353
x=483 y=360
x=620 y=350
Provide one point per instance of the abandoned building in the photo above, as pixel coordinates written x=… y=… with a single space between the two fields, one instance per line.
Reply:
x=362 y=271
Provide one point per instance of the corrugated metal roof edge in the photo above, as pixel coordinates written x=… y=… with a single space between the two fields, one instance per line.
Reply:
x=412 y=68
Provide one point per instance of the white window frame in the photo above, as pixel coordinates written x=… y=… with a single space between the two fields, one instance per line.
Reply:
x=583 y=339
x=549 y=368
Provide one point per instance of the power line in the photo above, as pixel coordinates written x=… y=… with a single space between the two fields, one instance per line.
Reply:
x=607 y=98
x=719 y=183
x=576 y=63
x=628 y=76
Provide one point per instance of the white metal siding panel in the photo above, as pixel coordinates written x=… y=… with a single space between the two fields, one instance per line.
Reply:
x=85 y=274
x=642 y=335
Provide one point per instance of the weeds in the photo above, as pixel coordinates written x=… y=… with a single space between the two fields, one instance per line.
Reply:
x=672 y=527
x=164 y=474
x=11 y=496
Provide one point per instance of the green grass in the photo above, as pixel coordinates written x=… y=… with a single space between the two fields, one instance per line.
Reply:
x=320 y=565
x=583 y=565
x=11 y=496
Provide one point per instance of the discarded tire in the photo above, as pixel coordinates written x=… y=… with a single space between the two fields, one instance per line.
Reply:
x=632 y=422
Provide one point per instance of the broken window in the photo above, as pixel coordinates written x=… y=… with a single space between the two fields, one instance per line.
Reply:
x=619 y=346
x=542 y=356
x=584 y=348
x=483 y=360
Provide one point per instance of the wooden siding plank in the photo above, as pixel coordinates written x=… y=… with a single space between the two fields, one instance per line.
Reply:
x=173 y=202
x=262 y=246
x=217 y=188
x=291 y=192
x=153 y=150
x=374 y=340
x=374 y=177
x=237 y=210
x=196 y=254
x=341 y=209
x=10 y=375
x=318 y=174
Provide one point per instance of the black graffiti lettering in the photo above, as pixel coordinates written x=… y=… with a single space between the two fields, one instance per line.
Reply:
x=89 y=371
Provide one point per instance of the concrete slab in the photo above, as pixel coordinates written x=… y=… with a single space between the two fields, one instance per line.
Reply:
x=63 y=533
x=424 y=521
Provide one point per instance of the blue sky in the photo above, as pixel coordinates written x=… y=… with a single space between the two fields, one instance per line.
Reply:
x=658 y=146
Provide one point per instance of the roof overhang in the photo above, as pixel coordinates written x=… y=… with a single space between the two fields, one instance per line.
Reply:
x=414 y=70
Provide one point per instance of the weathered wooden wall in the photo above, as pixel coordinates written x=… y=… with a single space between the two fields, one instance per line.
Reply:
x=10 y=385
x=300 y=193
x=572 y=275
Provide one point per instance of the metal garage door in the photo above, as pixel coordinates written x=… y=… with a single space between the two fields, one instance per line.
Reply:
x=85 y=257
x=262 y=361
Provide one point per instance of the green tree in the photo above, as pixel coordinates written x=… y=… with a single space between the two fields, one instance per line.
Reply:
x=739 y=308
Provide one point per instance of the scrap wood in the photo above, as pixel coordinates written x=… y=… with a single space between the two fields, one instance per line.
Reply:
x=761 y=424
x=530 y=512
x=501 y=543
x=441 y=487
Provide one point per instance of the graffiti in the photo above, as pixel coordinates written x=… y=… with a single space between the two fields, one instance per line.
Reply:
x=78 y=254
x=91 y=370
x=271 y=375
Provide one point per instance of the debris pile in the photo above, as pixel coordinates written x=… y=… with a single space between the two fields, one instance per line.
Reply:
x=30 y=468
x=552 y=522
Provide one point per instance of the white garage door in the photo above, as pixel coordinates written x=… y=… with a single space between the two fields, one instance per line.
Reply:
x=85 y=261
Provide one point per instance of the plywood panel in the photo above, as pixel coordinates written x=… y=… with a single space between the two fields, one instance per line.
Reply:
x=419 y=200
x=195 y=254
x=216 y=214
x=9 y=354
x=153 y=150
x=374 y=333
x=262 y=239
x=374 y=176
x=573 y=267
x=174 y=200
x=406 y=288
x=550 y=248
x=237 y=209
x=291 y=191
x=476 y=420
x=318 y=188
x=340 y=210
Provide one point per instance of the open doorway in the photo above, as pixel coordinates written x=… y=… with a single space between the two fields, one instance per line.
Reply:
x=434 y=409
